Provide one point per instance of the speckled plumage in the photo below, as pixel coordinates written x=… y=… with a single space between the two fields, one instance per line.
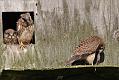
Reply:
x=87 y=50
x=25 y=28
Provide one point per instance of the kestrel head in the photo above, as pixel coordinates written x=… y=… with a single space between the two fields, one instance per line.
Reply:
x=27 y=18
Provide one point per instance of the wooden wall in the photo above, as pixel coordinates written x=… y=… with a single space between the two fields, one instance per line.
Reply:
x=59 y=26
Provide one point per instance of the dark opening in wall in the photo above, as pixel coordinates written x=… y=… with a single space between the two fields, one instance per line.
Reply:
x=9 y=20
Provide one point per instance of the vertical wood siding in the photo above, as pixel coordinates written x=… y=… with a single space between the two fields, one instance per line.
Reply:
x=59 y=26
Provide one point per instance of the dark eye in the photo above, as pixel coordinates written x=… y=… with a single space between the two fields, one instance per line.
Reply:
x=102 y=47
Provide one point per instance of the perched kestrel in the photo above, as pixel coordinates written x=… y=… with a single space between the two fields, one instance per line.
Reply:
x=25 y=28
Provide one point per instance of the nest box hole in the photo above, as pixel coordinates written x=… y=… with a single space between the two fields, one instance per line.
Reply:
x=9 y=20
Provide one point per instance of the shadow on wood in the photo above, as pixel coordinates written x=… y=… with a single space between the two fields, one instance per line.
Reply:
x=79 y=73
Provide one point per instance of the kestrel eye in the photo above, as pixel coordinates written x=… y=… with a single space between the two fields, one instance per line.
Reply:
x=102 y=47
